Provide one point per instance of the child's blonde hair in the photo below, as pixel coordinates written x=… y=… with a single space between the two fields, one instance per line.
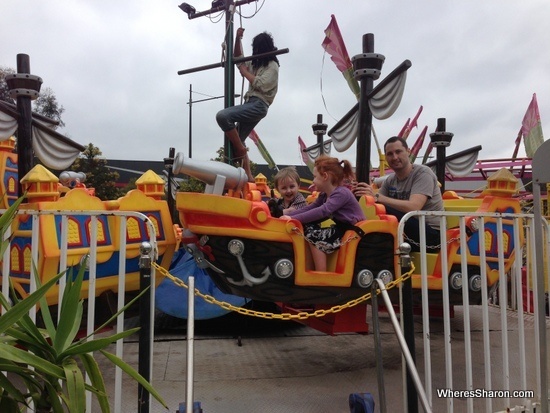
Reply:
x=287 y=173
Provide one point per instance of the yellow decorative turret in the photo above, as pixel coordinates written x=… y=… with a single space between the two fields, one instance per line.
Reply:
x=40 y=185
x=502 y=183
x=261 y=184
x=151 y=184
x=8 y=172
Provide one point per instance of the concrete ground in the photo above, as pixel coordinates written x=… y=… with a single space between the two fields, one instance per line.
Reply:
x=247 y=365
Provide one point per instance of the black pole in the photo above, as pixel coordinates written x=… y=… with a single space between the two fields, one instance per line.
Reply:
x=169 y=165
x=320 y=129
x=24 y=126
x=440 y=156
x=362 y=165
x=229 y=72
x=144 y=366
x=441 y=139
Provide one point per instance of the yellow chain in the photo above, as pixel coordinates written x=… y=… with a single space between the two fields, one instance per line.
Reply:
x=302 y=315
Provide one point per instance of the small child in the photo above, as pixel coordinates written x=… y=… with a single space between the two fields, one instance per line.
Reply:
x=287 y=182
x=335 y=201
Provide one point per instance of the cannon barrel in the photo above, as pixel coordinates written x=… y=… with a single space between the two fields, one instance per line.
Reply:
x=212 y=173
x=71 y=179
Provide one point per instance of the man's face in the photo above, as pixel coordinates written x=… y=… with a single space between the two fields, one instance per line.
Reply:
x=397 y=156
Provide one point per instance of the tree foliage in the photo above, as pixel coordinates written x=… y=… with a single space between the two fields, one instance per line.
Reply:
x=47 y=105
x=4 y=91
x=98 y=175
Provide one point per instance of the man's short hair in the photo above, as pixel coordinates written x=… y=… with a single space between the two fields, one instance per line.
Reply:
x=396 y=139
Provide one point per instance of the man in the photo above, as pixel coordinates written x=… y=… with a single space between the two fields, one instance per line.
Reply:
x=263 y=76
x=411 y=188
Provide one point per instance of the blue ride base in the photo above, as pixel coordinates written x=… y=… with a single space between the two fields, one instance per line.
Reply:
x=172 y=299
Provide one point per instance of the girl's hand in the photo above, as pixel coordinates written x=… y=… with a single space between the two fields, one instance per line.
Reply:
x=285 y=217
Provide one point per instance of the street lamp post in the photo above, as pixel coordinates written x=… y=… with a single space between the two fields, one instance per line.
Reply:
x=190 y=103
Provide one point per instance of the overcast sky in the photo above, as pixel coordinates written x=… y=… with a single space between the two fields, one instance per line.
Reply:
x=113 y=66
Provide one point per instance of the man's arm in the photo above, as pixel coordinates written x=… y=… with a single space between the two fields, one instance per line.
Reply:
x=414 y=203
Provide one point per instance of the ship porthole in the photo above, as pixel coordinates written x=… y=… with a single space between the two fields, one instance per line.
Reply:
x=236 y=247
x=364 y=278
x=386 y=276
x=284 y=268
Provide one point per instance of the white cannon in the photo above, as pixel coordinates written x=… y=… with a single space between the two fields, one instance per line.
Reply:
x=72 y=179
x=216 y=175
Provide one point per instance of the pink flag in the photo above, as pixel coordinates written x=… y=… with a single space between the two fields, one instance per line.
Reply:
x=404 y=128
x=418 y=144
x=334 y=45
x=305 y=156
x=409 y=125
x=531 y=128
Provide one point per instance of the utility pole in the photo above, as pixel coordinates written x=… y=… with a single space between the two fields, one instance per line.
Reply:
x=228 y=7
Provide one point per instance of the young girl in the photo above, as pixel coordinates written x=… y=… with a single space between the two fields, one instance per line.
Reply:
x=335 y=201
x=287 y=182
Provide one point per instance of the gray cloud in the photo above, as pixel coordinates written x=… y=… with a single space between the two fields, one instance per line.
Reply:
x=113 y=66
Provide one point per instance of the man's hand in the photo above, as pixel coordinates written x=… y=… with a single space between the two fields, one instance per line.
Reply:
x=361 y=189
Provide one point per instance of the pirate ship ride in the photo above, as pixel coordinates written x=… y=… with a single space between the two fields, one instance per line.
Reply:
x=250 y=253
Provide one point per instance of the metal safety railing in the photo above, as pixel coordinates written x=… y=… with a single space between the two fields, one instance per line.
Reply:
x=99 y=227
x=496 y=364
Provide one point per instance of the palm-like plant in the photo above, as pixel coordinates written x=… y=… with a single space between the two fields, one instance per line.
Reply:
x=49 y=361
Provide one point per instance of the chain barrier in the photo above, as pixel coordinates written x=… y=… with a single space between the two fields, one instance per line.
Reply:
x=413 y=242
x=302 y=315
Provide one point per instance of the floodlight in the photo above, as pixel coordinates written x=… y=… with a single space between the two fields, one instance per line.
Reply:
x=187 y=8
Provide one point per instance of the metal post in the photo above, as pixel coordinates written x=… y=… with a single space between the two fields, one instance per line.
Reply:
x=144 y=366
x=189 y=402
x=378 y=349
x=408 y=325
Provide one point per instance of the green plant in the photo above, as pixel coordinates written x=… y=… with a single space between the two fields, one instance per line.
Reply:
x=49 y=362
